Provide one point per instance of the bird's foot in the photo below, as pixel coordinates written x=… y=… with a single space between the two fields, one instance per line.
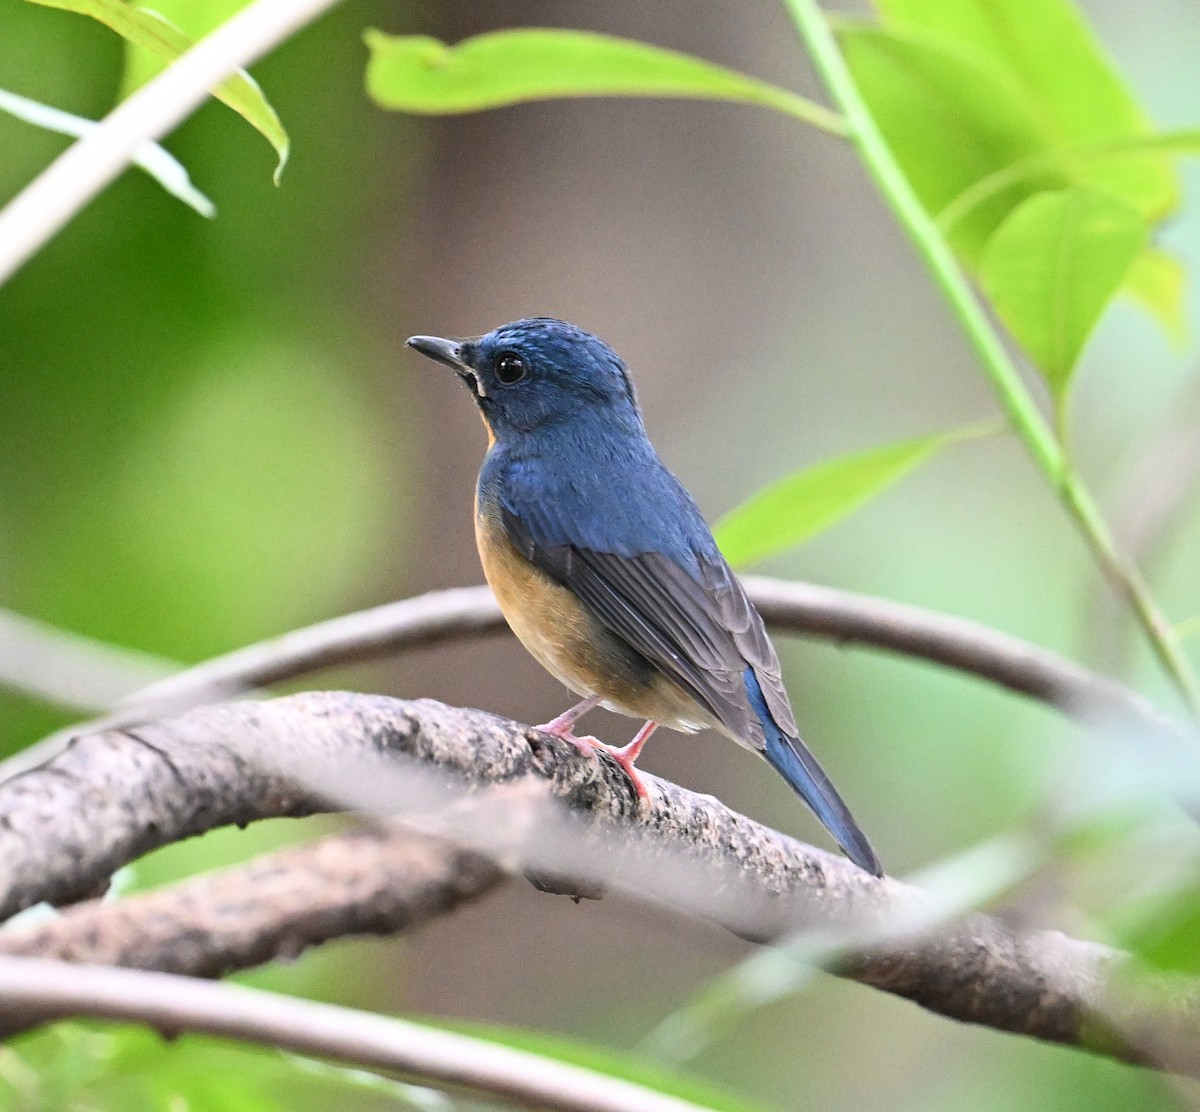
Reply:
x=560 y=729
x=624 y=755
x=585 y=744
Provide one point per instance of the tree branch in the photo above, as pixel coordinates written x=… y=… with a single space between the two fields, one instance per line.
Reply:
x=113 y=796
x=804 y=608
x=364 y=882
x=35 y=991
x=70 y=670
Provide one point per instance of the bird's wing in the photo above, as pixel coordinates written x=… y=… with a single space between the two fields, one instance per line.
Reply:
x=697 y=627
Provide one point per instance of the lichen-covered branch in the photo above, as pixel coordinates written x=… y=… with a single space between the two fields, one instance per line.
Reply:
x=369 y=881
x=113 y=796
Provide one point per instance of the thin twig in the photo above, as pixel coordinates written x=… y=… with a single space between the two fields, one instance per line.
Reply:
x=68 y=669
x=35 y=991
x=1148 y=509
x=40 y=210
x=113 y=796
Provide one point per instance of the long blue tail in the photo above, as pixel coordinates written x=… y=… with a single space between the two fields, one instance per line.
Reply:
x=791 y=759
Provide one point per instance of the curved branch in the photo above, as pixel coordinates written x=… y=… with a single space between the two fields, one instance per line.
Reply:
x=35 y=991
x=113 y=796
x=803 y=608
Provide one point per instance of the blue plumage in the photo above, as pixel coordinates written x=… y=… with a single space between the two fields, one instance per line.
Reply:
x=791 y=758
x=604 y=565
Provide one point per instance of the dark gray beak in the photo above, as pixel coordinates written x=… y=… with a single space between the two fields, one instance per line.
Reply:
x=448 y=352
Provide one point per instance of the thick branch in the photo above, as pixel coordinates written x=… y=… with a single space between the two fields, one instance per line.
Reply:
x=275 y=907
x=33 y=991
x=114 y=796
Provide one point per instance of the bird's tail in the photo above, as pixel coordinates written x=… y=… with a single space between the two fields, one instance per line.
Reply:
x=789 y=756
x=791 y=759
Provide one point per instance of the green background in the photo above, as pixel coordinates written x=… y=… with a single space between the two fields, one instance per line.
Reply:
x=210 y=432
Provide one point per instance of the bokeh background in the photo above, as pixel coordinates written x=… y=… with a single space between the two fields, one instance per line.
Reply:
x=210 y=432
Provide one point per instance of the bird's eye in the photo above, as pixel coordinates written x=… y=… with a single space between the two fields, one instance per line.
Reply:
x=510 y=368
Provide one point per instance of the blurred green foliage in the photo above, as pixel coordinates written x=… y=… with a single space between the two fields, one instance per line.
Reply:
x=192 y=452
x=90 y=1068
x=200 y=444
x=198 y=448
x=152 y=33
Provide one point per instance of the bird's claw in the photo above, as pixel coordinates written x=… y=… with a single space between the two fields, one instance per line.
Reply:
x=588 y=746
x=623 y=757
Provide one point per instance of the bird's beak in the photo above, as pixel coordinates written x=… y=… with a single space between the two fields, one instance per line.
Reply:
x=448 y=352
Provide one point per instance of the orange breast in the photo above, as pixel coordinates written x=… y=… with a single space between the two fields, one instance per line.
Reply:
x=569 y=642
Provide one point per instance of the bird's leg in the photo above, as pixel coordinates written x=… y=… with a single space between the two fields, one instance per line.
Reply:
x=625 y=755
x=561 y=726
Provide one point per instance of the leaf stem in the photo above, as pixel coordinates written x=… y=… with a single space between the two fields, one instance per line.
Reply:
x=1023 y=413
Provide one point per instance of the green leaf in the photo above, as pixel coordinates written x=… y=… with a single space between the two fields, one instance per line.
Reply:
x=1072 y=163
x=157 y=161
x=792 y=510
x=195 y=18
x=143 y=27
x=415 y=73
x=1047 y=49
x=1053 y=266
x=1158 y=283
x=952 y=117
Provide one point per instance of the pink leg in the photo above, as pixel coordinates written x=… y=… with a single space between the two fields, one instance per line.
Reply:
x=625 y=755
x=561 y=726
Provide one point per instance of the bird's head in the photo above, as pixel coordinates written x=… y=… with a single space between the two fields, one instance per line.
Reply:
x=536 y=373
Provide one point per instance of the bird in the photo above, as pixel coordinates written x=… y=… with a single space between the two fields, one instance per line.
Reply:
x=605 y=568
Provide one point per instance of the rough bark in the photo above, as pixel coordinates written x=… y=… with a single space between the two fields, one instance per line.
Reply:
x=273 y=908
x=114 y=796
